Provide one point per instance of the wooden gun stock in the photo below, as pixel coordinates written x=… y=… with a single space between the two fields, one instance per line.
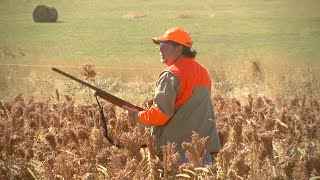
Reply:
x=104 y=95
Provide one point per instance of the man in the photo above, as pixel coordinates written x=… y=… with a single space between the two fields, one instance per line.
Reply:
x=182 y=101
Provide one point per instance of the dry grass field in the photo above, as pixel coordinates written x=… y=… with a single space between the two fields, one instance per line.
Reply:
x=57 y=138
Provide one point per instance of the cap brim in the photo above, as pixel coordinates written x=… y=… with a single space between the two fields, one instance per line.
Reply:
x=158 y=40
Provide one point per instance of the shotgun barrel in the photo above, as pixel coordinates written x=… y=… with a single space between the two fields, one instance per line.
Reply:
x=104 y=95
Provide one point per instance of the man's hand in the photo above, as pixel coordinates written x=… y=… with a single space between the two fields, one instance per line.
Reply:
x=132 y=114
x=130 y=109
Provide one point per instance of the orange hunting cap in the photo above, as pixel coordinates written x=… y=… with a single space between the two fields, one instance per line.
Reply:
x=177 y=35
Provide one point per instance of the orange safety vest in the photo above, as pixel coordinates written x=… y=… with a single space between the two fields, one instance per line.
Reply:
x=185 y=70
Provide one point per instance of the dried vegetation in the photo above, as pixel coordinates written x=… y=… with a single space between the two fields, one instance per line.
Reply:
x=58 y=139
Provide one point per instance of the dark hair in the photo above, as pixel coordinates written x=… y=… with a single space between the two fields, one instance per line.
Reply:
x=186 y=51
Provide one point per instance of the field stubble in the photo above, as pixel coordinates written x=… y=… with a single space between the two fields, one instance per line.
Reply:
x=269 y=76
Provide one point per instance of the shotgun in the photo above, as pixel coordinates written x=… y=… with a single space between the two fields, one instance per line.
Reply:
x=104 y=95
x=108 y=97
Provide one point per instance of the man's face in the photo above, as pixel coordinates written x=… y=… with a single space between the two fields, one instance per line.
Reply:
x=169 y=53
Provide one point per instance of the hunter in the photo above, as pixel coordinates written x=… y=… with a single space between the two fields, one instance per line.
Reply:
x=182 y=101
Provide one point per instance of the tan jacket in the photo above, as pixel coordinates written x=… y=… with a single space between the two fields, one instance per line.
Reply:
x=182 y=104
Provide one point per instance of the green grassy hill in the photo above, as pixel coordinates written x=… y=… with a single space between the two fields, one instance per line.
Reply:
x=118 y=30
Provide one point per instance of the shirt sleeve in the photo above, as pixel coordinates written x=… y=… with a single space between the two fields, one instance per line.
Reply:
x=160 y=112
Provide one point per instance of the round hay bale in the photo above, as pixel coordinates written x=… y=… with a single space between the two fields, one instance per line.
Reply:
x=43 y=13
